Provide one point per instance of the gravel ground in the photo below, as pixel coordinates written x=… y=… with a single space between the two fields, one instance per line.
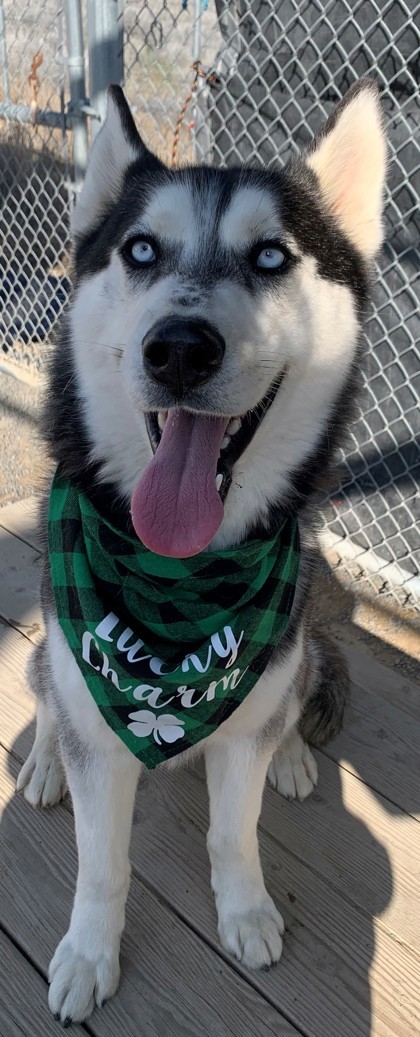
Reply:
x=23 y=460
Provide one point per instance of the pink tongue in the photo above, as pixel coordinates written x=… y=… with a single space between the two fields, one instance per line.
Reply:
x=175 y=508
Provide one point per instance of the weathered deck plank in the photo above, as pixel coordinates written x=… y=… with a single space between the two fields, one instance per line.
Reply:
x=390 y=685
x=381 y=744
x=337 y=876
x=335 y=955
x=172 y=981
x=23 y=998
x=349 y=854
x=17 y=703
x=21 y=519
x=19 y=582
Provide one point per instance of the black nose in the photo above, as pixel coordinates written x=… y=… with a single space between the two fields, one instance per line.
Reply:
x=182 y=353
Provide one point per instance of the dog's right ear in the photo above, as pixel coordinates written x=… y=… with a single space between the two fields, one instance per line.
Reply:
x=349 y=160
x=116 y=147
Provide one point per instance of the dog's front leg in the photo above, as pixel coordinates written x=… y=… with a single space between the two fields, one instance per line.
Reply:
x=250 y=927
x=85 y=968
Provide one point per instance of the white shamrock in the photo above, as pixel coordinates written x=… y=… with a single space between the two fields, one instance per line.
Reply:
x=168 y=727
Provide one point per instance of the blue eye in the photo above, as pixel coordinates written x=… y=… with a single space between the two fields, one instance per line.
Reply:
x=270 y=258
x=142 y=252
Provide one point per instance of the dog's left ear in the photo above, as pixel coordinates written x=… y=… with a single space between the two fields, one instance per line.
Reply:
x=116 y=147
x=349 y=160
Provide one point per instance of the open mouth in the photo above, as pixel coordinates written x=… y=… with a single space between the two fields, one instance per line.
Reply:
x=177 y=506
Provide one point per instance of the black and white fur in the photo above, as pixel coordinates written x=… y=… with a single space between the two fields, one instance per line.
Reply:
x=325 y=209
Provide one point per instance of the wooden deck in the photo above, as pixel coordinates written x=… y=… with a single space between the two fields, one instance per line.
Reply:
x=344 y=868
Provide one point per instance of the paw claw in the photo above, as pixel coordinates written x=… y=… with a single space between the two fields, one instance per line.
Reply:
x=254 y=936
x=293 y=770
x=41 y=779
x=78 y=983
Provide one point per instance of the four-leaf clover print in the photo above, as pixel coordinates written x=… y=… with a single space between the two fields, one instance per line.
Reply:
x=165 y=728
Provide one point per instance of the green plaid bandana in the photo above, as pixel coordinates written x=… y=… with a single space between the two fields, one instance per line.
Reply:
x=168 y=647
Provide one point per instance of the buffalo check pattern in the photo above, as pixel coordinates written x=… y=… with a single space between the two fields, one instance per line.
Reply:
x=168 y=647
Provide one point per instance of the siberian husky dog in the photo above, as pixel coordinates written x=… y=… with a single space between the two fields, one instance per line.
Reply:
x=238 y=294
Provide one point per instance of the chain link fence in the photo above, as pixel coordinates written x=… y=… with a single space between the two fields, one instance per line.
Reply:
x=35 y=159
x=266 y=72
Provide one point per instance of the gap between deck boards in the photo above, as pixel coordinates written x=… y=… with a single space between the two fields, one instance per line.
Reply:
x=44 y=870
x=23 y=996
x=187 y=851
x=182 y=826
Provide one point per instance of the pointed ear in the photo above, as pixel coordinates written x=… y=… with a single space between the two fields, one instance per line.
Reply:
x=117 y=145
x=349 y=159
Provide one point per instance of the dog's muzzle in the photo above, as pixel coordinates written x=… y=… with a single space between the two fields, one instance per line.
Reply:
x=182 y=354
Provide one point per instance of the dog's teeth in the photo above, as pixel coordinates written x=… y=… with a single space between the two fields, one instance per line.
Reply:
x=225 y=442
x=234 y=426
x=162 y=415
x=219 y=480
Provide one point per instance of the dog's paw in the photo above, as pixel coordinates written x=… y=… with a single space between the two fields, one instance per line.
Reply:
x=42 y=779
x=293 y=770
x=78 y=984
x=253 y=936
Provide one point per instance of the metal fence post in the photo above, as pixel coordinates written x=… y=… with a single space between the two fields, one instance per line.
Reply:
x=200 y=137
x=105 y=28
x=76 y=67
x=3 y=54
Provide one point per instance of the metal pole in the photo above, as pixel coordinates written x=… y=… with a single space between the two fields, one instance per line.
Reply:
x=44 y=117
x=201 y=138
x=197 y=114
x=3 y=54
x=76 y=66
x=106 y=58
x=197 y=31
x=61 y=54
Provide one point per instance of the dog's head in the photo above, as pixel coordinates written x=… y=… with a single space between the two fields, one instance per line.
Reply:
x=216 y=321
